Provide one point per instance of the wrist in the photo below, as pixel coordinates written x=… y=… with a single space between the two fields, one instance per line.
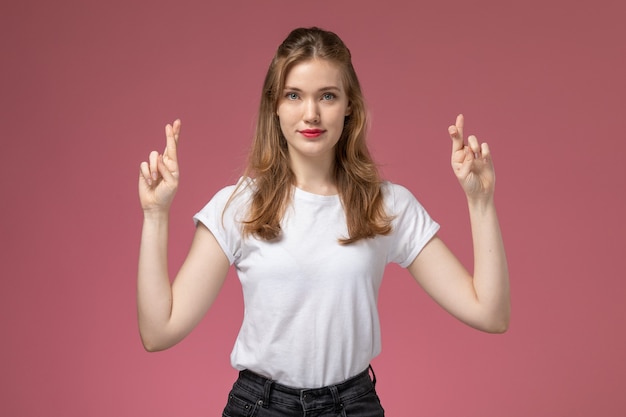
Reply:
x=481 y=203
x=155 y=215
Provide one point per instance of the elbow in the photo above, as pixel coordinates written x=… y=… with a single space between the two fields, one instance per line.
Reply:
x=158 y=338
x=491 y=326
x=151 y=348
x=151 y=344
x=498 y=326
x=497 y=320
x=492 y=322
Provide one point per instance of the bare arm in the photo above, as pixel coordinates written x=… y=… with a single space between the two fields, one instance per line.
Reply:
x=482 y=300
x=168 y=312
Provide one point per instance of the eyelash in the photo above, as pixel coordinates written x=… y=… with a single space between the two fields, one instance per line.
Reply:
x=325 y=96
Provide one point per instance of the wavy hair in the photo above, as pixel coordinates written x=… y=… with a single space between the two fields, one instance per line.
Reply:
x=355 y=173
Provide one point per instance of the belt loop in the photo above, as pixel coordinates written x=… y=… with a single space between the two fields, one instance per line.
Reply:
x=335 y=392
x=266 y=393
x=373 y=375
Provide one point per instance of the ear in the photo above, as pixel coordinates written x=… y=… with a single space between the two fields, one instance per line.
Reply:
x=348 y=110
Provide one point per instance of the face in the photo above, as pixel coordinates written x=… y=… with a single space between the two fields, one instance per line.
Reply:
x=312 y=109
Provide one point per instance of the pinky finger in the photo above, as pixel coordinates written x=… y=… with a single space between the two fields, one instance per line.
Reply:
x=484 y=150
x=144 y=172
x=154 y=173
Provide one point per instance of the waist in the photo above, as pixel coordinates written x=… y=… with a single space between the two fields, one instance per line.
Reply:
x=276 y=393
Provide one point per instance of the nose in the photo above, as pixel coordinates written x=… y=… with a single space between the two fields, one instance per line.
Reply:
x=311 y=112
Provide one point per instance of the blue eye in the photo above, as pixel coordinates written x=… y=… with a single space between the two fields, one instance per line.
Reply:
x=291 y=96
x=328 y=96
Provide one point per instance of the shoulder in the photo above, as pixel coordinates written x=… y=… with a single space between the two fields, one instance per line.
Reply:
x=240 y=191
x=388 y=186
x=396 y=194
x=233 y=198
x=400 y=201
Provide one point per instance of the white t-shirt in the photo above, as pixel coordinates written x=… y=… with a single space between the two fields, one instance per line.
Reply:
x=311 y=316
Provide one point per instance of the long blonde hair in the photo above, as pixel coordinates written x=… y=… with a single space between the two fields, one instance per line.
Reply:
x=355 y=173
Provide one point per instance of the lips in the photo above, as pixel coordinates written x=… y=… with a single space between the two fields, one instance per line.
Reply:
x=311 y=133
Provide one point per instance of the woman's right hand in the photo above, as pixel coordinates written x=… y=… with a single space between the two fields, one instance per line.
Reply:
x=158 y=178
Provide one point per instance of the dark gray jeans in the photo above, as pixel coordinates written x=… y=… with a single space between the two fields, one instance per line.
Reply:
x=256 y=396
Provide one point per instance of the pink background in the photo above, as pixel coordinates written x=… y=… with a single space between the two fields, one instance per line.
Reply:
x=87 y=87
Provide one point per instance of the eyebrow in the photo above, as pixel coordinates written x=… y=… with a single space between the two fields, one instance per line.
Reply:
x=319 y=90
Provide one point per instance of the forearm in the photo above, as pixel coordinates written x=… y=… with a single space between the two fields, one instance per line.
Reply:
x=154 y=290
x=491 y=276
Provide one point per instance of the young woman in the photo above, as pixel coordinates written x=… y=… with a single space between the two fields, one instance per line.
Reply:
x=310 y=228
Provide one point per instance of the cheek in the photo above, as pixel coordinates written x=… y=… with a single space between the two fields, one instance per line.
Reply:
x=281 y=121
x=285 y=115
x=280 y=115
x=338 y=120
x=284 y=125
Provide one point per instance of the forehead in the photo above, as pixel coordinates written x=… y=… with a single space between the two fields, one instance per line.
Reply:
x=314 y=74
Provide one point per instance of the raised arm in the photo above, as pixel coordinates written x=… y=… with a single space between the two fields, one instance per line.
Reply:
x=167 y=311
x=481 y=300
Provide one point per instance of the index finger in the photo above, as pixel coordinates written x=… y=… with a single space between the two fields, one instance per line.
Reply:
x=456 y=133
x=172 y=133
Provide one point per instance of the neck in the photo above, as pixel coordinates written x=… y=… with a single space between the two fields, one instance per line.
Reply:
x=315 y=176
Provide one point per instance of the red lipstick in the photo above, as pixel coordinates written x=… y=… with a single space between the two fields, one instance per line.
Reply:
x=311 y=133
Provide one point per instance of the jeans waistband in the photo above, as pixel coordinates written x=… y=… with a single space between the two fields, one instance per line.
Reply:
x=308 y=398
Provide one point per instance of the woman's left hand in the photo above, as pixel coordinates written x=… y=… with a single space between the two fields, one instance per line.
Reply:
x=472 y=163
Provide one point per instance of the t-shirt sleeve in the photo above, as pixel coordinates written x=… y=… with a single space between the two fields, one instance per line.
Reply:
x=412 y=226
x=224 y=221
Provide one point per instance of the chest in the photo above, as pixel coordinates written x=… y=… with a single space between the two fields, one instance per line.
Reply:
x=308 y=256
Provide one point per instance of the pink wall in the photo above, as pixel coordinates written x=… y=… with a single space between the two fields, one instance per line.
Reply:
x=86 y=88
